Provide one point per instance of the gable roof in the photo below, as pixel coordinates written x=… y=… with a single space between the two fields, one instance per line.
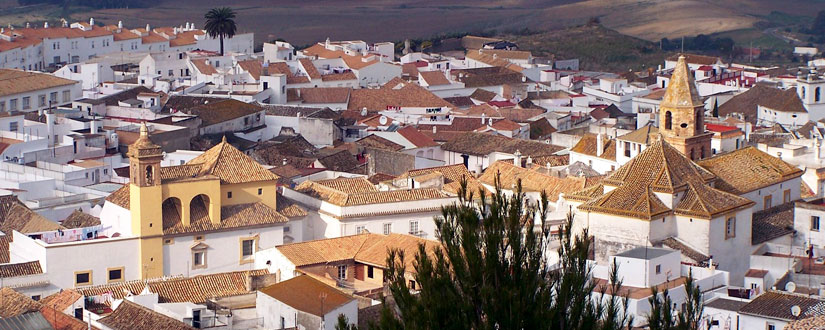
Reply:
x=748 y=169
x=777 y=305
x=434 y=78
x=748 y=102
x=641 y=135
x=302 y=292
x=222 y=111
x=79 y=219
x=633 y=200
x=340 y=198
x=377 y=142
x=415 y=137
x=531 y=180
x=401 y=94
x=453 y=175
x=15 y=303
x=588 y=145
x=662 y=167
x=20 y=269
x=230 y=165
x=132 y=316
x=13 y=81
x=365 y=248
x=480 y=144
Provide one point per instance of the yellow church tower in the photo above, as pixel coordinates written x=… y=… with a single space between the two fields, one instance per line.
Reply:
x=682 y=115
x=145 y=200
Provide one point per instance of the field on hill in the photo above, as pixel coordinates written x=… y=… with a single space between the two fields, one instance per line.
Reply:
x=303 y=22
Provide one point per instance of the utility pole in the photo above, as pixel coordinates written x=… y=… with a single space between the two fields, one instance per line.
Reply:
x=683 y=44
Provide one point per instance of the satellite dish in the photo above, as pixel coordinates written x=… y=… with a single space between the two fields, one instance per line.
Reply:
x=795 y=310
x=790 y=287
x=382 y=120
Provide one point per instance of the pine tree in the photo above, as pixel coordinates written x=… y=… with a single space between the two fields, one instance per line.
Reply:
x=494 y=272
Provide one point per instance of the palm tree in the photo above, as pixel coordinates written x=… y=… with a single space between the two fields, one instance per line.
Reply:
x=220 y=23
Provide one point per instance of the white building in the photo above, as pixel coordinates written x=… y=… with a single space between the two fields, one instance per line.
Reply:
x=33 y=91
x=304 y=302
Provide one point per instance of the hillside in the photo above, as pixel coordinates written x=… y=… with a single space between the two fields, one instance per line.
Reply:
x=597 y=48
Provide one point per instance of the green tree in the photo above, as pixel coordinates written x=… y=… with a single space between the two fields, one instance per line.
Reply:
x=220 y=23
x=662 y=315
x=343 y=323
x=494 y=271
x=818 y=27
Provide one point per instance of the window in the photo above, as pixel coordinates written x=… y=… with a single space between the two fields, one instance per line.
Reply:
x=2 y=106
x=83 y=278
x=13 y=105
x=199 y=238
x=786 y=196
x=27 y=102
x=360 y=229
x=767 y=202
x=199 y=259
x=67 y=96
x=668 y=120
x=171 y=72
x=248 y=248
x=770 y=326
x=342 y=272
x=78 y=313
x=627 y=149
x=816 y=94
x=53 y=97
x=13 y=126
x=815 y=223
x=41 y=100
x=414 y=227
x=260 y=191
x=730 y=227
x=387 y=228
x=228 y=194
x=168 y=241
x=115 y=274
x=412 y=285
x=36 y=297
x=370 y=272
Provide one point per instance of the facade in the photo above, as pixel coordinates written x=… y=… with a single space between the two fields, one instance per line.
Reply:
x=295 y=303
x=33 y=91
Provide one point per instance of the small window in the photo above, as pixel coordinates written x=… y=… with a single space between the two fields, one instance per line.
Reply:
x=199 y=238
x=247 y=248
x=115 y=274
x=228 y=194
x=199 y=259
x=370 y=272
x=359 y=229
x=387 y=228
x=168 y=241
x=767 y=202
x=815 y=223
x=730 y=227
x=658 y=269
x=260 y=191
x=414 y=227
x=83 y=278
x=342 y=272
x=412 y=285
x=786 y=196
x=36 y=297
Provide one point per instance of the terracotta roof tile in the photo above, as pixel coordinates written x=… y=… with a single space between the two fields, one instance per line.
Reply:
x=662 y=167
x=233 y=216
x=253 y=67
x=416 y=138
x=309 y=68
x=347 y=75
x=231 y=165
x=302 y=292
x=20 y=269
x=15 y=303
x=132 y=316
x=641 y=135
x=401 y=95
x=748 y=169
x=588 y=146
x=377 y=142
x=531 y=180
x=491 y=60
x=341 y=198
x=704 y=202
x=196 y=289
x=349 y=185
x=771 y=223
x=204 y=66
x=13 y=81
x=61 y=300
x=777 y=305
x=481 y=144
x=79 y=219
x=434 y=78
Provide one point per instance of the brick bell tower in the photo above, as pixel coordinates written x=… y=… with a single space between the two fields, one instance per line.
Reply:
x=145 y=199
x=682 y=115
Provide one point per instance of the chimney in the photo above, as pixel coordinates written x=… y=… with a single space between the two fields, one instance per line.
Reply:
x=147 y=27
x=435 y=128
x=92 y=21
x=284 y=162
x=599 y=145
x=93 y=128
x=45 y=25
x=529 y=162
x=517 y=158
x=119 y=24
x=482 y=119
x=28 y=25
x=50 y=126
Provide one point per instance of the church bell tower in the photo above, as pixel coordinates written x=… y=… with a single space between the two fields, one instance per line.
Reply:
x=145 y=201
x=682 y=115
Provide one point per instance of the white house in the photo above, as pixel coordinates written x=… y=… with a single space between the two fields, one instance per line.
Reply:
x=304 y=302
x=32 y=91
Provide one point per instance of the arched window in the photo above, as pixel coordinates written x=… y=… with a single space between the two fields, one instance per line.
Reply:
x=668 y=120
x=702 y=153
x=691 y=155
x=816 y=94
x=700 y=118
x=149 y=175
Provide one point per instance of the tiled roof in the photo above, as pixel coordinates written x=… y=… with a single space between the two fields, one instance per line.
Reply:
x=453 y=175
x=349 y=185
x=366 y=248
x=401 y=95
x=506 y=125
x=748 y=169
x=662 y=167
x=757 y=273
x=747 y=103
x=771 y=223
x=61 y=300
x=487 y=77
x=480 y=144
x=531 y=180
x=632 y=200
x=460 y=101
x=377 y=142
x=341 y=198
x=641 y=135
x=222 y=111
x=346 y=75
x=681 y=90
x=324 y=95
x=380 y=177
x=196 y=289
x=232 y=216
x=777 y=305
x=203 y=66
x=810 y=323
x=79 y=219
x=20 y=269
x=22 y=219
x=338 y=160
x=416 y=138
x=131 y=316
x=705 y=202
x=514 y=114
x=511 y=54
x=434 y=78
x=15 y=303
x=587 y=145
x=353 y=62
x=5 y=254
x=289 y=209
x=231 y=165
x=253 y=67
x=491 y=60
x=302 y=292
x=309 y=68
x=120 y=197
x=694 y=257
x=586 y=194
x=541 y=128
x=13 y=81
x=483 y=95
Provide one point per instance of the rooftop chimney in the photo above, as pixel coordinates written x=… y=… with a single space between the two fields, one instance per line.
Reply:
x=517 y=158
x=147 y=27
x=435 y=128
x=599 y=145
x=28 y=25
x=45 y=25
x=92 y=21
x=529 y=162
x=119 y=24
